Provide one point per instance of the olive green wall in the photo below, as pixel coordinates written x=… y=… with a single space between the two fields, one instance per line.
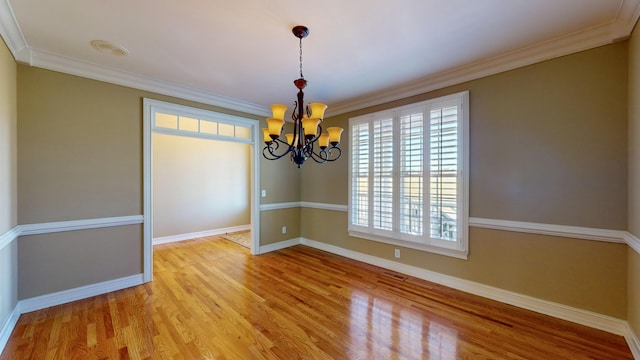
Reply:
x=548 y=144
x=634 y=179
x=8 y=183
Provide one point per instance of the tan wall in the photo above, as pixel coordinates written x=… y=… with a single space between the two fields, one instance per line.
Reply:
x=54 y=262
x=199 y=184
x=326 y=183
x=634 y=178
x=8 y=182
x=547 y=145
x=272 y=222
x=79 y=157
x=79 y=148
x=280 y=178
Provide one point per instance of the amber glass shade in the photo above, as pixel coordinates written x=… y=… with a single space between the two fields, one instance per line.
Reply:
x=324 y=141
x=278 y=111
x=317 y=110
x=334 y=135
x=290 y=140
x=265 y=133
x=310 y=126
x=275 y=126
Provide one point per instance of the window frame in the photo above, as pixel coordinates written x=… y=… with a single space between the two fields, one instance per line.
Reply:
x=458 y=248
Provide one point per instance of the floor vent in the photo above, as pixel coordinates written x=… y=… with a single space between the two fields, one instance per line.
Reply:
x=394 y=275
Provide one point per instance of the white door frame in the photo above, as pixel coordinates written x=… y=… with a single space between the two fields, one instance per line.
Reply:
x=150 y=107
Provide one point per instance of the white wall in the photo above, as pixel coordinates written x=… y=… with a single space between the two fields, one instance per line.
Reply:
x=199 y=185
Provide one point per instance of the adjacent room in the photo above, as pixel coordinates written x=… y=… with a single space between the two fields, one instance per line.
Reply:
x=426 y=179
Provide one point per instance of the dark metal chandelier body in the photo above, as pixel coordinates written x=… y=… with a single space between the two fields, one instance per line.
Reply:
x=307 y=132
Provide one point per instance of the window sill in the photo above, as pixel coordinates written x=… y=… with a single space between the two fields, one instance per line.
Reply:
x=455 y=253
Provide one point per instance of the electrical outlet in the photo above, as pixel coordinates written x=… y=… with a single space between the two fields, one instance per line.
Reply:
x=263 y=193
x=284 y=229
x=396 y=253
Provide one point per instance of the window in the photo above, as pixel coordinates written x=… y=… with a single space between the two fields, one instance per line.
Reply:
x=221 y=127
x=408 y=176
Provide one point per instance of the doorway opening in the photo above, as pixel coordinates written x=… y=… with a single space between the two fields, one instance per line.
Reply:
x=217 y=153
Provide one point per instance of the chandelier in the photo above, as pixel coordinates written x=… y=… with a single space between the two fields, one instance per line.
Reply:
x=307 y=131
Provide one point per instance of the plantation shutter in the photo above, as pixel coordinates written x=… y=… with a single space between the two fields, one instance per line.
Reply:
x=444 y=173
x=360 y=146
x=411 y=173
x=383 y=174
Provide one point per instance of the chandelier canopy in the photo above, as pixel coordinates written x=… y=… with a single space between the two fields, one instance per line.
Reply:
x=307 y=131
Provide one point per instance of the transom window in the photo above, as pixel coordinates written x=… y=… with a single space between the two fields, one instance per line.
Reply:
x=409 y=176
x=221 y=128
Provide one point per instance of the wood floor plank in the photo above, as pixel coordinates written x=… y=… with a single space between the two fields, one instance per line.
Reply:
x=210 y=299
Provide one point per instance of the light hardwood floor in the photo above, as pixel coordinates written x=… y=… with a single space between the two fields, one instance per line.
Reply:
x=210 y=299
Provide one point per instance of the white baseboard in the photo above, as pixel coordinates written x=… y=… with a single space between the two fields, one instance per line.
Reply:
x=591 y=319
x=633 y=342
x=193 y=235
x=279 y=245
x=8 y=327
x=79 y=293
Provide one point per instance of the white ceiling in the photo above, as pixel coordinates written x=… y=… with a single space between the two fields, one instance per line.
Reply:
x=241 y=54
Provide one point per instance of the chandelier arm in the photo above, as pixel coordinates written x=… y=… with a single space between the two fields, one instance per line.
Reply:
x=271 y=150
x=319 y=158
x=325 y=154
x=330 y=150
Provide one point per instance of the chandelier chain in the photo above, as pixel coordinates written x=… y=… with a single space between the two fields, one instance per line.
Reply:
x=302 y=76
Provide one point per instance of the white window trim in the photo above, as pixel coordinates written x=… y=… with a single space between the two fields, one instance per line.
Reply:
x=460 y=248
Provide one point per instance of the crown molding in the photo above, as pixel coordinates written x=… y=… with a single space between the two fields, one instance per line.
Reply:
x=11 y=33
x=67 y=65
x=600 y=35
x=627 y=18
